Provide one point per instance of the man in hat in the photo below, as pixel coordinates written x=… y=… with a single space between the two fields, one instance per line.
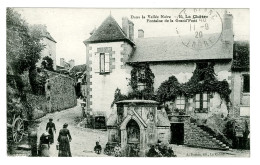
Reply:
x=50 y=128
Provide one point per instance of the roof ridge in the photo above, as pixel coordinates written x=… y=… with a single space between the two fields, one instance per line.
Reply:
x=108 y=31
x=121 y=30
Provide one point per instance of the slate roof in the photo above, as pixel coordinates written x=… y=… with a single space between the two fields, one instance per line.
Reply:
x=111 y=121
x=171 y=49
x=241 y=57
x=79 y=68
x=108 y=31
x=48 y=35
x=43 y=30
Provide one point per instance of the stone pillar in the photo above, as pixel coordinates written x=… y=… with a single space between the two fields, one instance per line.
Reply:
x=32 y=140
x=142 y=142
x=123 y=139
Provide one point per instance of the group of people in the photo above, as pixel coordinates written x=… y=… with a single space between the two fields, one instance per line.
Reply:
x=160 y=151
x=47 y=138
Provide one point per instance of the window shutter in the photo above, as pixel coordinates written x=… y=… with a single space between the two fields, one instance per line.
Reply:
x=96 y=63
x=107 y=62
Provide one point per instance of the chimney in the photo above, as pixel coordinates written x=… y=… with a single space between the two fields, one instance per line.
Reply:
x=140 y=33
x=125 y=26
x=228 y=34
x=128 y=28
x=62 y=62
x=131 y=30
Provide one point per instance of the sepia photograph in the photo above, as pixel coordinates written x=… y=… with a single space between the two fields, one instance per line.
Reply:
x=127 y=82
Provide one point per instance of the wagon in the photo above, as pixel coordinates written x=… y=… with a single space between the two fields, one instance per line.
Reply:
x=16 y=111
x=18 y=129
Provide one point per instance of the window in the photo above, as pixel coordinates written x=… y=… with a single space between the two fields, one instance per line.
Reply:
x=180 y=102
x=201 y=101
x=102 y=62
x=246 y=83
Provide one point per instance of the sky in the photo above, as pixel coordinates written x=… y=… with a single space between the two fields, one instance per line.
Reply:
x=71 y=26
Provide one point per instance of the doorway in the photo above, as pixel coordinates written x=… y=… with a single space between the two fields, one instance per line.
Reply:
x=99 y=122
x=177 y=133
x=133 y=138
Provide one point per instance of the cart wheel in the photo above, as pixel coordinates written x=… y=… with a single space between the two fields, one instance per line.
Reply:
x=18 y=129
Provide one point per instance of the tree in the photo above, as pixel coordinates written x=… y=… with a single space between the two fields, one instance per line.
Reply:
x=23 y=46
x=47 y=63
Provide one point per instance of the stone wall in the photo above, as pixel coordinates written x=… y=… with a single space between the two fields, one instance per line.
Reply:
x=60 y=93
x=38 y=104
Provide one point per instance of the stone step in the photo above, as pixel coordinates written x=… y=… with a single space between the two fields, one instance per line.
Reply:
x=199 y=137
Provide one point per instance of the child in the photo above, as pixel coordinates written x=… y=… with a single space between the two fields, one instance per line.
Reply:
x=97 y=148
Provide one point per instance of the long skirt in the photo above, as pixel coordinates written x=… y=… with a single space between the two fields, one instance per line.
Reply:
x=64 y=147
x=51 y=136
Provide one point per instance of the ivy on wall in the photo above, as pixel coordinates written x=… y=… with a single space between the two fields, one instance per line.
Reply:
x=171 y=88
x=140 y=74
x=203 y=80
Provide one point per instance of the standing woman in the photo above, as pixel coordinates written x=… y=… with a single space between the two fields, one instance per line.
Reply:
x=64 y=139
x=50 y=128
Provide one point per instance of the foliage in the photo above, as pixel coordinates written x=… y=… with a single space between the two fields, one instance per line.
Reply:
x=230 y=133
x=241 y=56
x=171 y=88
x=148 y=79
x=23 y=46
x=118 y=96
x=47 y=63
x=38 y=79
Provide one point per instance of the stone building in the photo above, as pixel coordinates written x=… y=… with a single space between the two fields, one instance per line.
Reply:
x=50 y=45
x=112 y=51
x=65 y=66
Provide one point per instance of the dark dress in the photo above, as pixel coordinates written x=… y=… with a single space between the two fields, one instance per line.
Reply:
x=50 y=128
x=44 y=146
x=64 y=139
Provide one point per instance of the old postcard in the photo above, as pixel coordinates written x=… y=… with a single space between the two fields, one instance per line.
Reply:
x=90 y=82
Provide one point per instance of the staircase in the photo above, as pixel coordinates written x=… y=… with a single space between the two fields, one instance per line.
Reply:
x=196 y=137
